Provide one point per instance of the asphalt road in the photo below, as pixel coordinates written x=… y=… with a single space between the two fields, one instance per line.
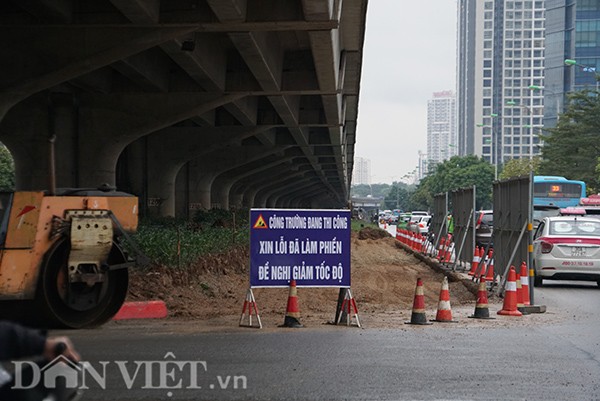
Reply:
x=556 y=358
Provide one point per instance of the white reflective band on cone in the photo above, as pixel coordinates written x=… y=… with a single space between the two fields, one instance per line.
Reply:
x=511 y=286
x=524 y=280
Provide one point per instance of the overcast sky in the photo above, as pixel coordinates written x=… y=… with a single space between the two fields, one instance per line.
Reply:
x=409 y=53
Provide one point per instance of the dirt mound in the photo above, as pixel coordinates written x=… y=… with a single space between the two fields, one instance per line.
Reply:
x=372 y=233
x=383 y=283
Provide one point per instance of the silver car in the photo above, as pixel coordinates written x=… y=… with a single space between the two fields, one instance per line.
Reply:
x=567 y=248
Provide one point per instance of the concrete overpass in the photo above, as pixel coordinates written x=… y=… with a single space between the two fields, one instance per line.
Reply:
x=186 y=103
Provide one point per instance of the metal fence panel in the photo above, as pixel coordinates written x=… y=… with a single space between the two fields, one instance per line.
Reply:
x=512 y=208
x=463 y=208
x=438 y=221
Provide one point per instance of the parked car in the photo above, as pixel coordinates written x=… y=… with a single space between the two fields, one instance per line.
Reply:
x=567 y=248
x=419 y=224
x=484 y=227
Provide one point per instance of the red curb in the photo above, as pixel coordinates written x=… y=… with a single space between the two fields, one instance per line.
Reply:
x=142 y=310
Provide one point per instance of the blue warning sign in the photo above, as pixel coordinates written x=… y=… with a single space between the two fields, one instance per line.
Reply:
x=309 y=246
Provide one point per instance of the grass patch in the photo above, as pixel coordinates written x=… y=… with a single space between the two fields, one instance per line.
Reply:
x=357 y=225
x=178 y=243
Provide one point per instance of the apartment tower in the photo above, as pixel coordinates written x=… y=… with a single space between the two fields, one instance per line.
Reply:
x=441 y=127
x=500 y=57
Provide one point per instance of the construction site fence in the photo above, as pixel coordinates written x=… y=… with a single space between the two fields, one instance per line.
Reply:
x=452 y=233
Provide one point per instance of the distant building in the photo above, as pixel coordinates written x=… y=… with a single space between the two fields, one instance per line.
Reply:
x=441 y=128
x=572 y=32
x=422 y=167
x=500 y=54
x=362 y=171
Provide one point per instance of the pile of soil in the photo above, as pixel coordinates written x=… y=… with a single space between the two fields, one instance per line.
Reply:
x=383 y=283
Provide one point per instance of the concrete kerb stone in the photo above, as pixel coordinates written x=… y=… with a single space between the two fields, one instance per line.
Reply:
x=142 y=310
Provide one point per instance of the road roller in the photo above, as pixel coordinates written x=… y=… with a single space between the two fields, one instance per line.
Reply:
x=63 y=259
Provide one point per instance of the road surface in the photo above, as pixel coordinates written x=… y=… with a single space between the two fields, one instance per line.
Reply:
x=555 y=358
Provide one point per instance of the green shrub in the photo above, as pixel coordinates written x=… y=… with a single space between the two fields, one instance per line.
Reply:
x=175 y=243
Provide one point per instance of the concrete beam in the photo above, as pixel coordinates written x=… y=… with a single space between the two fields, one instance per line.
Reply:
x=222 y=190
x=110 y=123
x=76 y=51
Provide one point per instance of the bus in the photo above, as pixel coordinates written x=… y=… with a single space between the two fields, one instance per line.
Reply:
x=557 y=191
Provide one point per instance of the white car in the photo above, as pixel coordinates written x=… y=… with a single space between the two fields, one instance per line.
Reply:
x=567 y=248
x=419 y=224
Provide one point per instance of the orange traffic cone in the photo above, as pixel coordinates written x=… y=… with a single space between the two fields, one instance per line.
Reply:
x=475 y=262
x=509 y=307
x=441 y=247
x=449 y=249
x=525 y=284
x=489 y=277
x=293 y=311
x=444 y=312
x=482 y=265
x=520 y=305
x=482 y=310
x=418 y=310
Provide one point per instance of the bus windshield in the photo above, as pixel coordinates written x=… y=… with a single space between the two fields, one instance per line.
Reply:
x=557 y=191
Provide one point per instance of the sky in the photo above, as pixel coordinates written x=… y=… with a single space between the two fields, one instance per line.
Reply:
x=409 y=53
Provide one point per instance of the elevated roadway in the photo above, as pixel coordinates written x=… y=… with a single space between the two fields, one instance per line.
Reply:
x=188 y=104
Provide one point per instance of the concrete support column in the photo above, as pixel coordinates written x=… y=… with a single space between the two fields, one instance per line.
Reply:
x=161 y=189
x=249 y=196
x=220 y=193
x=236 y=199
x=200 y=185
x=63 y=115
x=26 y=130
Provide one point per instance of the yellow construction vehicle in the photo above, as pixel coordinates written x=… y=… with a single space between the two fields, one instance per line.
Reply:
x=62 y=262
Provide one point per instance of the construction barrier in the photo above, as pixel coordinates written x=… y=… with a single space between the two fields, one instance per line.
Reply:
x=250 y=307
x=349 y=306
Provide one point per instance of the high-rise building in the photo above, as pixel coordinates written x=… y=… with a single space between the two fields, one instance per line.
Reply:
x=362 y=171
x=441 y=127
x=572 y=54
x=422 y=166
x=465 y=76
x=500 y=55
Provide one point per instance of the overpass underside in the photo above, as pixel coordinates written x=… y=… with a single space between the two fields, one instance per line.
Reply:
x=189 y=104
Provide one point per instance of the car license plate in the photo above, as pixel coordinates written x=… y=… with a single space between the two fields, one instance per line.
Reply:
x=577 y=251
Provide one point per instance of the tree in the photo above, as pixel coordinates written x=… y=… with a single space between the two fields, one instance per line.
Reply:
x=397 y=197
x=7 y=170
x=520 y=167
x=455 y=173
x=572 y=147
